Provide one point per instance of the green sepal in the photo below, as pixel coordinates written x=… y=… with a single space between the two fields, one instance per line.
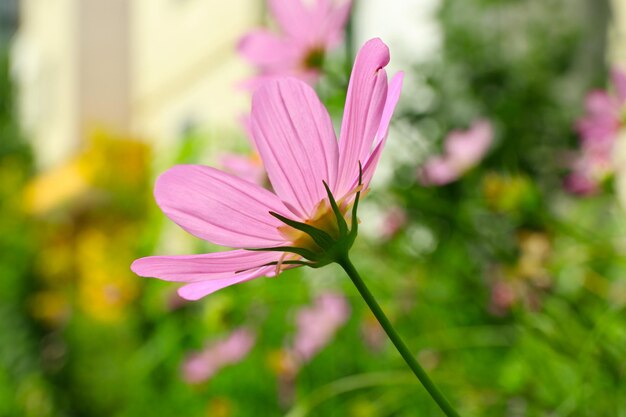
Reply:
x=355 y=220
x=331 y=249
x=305 y=253
x=341 y=222
x=292 y=262
x=320 y=237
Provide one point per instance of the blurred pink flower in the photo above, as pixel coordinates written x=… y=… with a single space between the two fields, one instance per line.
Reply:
x=589 y=170
x=317 y=324
x=201 y=366
x=605 y=114
x=463 y=150
x=248 y=167
x=295 y=138
x=598 y=129
x=394 y=220
x=308 y=29
x=503 y=297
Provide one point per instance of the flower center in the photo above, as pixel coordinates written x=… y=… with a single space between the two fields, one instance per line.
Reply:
x=325 y=237
x=314 y=59
x=323 y=218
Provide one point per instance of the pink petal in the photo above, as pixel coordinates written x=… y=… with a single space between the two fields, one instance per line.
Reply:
x=220 y=207
x=320 y=23
x=268 y=51
x=243 y=166
x=393 y=95
x=197 y=290
x=293 y=16
x=600 y=103
x=619 y=82
x=598 y=131
x=209 y=266
x=336 y=23
x=317 y=324
x=438 y=171
x=395 y=218
x=601 y=123
x=466 y=148
x=294 y=135
x=580 y=184
x=254 y=83
x=200 y=366
x=246 y=124
x=365 y=101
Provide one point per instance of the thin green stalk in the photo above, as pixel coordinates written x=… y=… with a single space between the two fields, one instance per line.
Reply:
x=406 y=354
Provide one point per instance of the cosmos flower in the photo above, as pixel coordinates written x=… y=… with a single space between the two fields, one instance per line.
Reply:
x=308 y=30
x=394 y=220
x=463 y=150
x=317 y=324
x=248 y=167
x=598 y=129
x=589 y=170
x=315 y=178
x=199 y=367
x=606 y=114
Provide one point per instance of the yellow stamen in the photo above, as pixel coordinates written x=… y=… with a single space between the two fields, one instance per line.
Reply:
x=280 y=263
x=322 y=218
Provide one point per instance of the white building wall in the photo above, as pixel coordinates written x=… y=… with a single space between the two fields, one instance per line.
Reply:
x=104 y=84
x=147 y=68
x=617 y=33
x=185 y=68
x=45 y=67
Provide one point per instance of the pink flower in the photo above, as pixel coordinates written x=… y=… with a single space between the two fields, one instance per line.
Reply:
x=605 y=114
x=589 y=170
x=598 y=129
x=248 y=167
x=201 y=366
x=395 y=219
x=295 y=138
x=318 y=324
x=503 y=297
x=308 y=30
x=463 y=150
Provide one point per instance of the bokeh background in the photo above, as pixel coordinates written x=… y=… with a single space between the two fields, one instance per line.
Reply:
x=508 y=284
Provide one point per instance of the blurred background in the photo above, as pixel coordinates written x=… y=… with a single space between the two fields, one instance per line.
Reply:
x=494 y=234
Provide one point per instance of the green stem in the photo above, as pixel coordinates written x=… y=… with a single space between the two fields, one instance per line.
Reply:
x=408 y=357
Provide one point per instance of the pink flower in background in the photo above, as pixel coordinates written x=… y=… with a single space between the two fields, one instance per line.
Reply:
x=598 y=129
x=308 y=29
x=248 y=167
x=605 y=115
x=317 y=325
x=394 y=220
x=295 y=138
x=589 y=170
x=503 y=297
x=463 y=150
x=201 y=366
